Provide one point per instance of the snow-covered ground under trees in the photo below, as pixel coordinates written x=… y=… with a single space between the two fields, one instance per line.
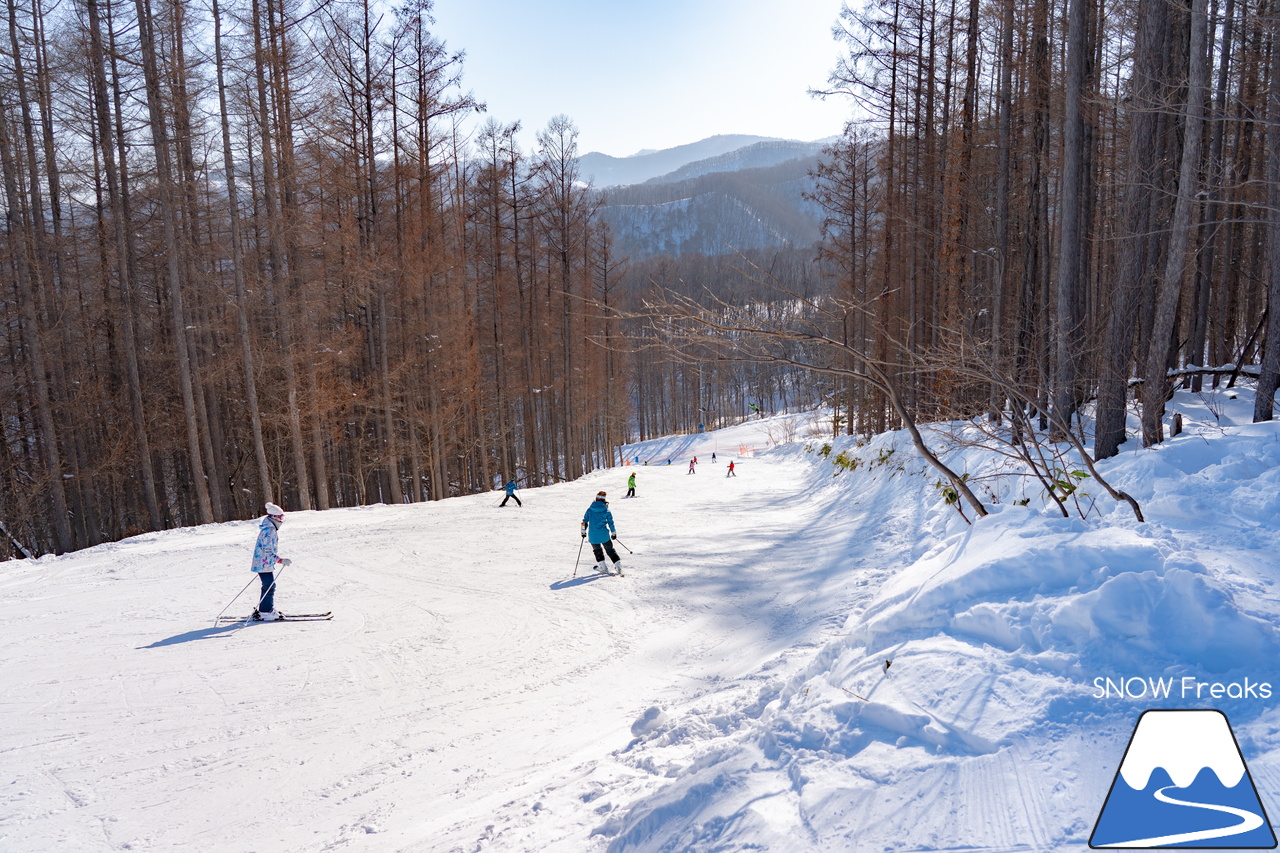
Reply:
x=729 y=694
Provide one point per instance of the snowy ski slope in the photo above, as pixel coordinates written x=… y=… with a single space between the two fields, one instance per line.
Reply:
x=730 y=693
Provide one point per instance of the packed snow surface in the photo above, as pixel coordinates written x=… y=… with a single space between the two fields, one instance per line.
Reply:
x=804 y=657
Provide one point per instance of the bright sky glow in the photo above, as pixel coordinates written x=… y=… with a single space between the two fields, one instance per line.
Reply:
x=650 y=74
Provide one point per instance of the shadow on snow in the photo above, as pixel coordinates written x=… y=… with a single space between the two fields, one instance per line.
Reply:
x=579 y=581
x=198 y=634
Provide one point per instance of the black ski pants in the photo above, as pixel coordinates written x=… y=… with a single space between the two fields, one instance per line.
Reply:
x=510 y=497
x=602 y=548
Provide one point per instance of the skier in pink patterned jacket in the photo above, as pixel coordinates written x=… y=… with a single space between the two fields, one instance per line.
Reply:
x=265 y=560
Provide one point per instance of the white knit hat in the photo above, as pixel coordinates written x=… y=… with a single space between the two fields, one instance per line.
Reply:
x=272 y=509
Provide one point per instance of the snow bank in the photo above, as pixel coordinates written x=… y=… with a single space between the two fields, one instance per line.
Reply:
x=1113 y=597
x=961 y=707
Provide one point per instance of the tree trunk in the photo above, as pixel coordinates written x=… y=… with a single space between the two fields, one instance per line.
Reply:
x=266 y=492
x=1269 y=378
x=121 y=228
x=1068 y=332
x=279 y=279
x=1155 y=387
x=26 y=275
x=1196 y=345
x=1139 y=249
x=999 y=329
x=174 y=252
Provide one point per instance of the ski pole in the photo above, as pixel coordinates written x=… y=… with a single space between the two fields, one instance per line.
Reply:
x=575 y=562
x=275 y=576
x=619 y=541
x=233 y=601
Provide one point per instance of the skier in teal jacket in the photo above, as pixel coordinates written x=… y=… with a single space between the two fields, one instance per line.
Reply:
x=599 y=530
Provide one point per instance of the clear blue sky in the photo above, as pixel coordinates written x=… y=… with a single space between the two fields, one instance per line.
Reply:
x=650 y=73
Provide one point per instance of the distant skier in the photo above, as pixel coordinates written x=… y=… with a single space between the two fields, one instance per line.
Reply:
x=730 y=472
x=265 y=560
x=511 y=493
x=599 y=530
x=631 y=485
x=713 y=457
x=693 y=466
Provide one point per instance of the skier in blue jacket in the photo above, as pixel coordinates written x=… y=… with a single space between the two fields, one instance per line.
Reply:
x=511 y=493
x=265 y=560
x=598 y=529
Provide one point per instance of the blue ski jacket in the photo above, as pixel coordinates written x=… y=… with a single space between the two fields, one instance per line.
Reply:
x=264 y=553
x=599 y=522
x=511 y=487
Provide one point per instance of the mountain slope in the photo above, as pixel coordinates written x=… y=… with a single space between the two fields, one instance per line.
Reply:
x=757 y=156
x=604 y=170
x=716 y=213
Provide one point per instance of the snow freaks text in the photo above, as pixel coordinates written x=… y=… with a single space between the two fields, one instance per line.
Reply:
x=1187 y=687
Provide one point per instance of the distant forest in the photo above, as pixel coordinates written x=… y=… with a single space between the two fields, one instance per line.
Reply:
x=261 y=249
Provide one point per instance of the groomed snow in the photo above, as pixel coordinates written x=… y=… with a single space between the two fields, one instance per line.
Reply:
x=730 y=693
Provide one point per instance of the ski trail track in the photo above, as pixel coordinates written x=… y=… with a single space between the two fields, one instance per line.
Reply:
x=461 y=646
x=718 y=605
x=866 y=538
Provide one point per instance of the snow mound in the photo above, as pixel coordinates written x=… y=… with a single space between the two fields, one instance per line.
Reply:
x=1113 y=597
x=960 y=706
x=650 y=720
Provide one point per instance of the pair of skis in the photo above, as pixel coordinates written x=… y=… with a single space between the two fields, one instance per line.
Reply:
x=599 y=571
x=292 y=617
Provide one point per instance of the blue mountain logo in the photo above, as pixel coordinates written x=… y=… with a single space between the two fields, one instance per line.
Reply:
x=1183 y=783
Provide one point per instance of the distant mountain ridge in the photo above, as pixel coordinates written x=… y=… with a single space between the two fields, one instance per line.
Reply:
x=770 y=152
x=751 y=196
x=716 y=213
x=604 y=170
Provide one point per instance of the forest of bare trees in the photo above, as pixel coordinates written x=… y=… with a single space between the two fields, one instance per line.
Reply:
x=262 y=249
x=250 y=254
x=1043 y=205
